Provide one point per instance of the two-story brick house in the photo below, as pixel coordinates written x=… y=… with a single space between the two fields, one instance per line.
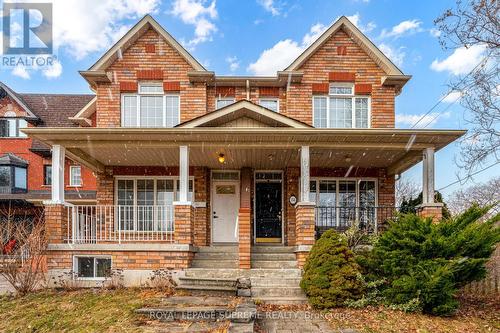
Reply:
x=25 y=164
x=187 y=160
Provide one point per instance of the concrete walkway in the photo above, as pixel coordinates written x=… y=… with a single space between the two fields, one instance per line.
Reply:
x=291 y=322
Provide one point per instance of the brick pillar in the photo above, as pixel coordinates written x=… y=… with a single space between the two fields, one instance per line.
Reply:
x=304 y=230
x=105 y=196
x=431 y=210
x=56 y=223
x=244 y=243
x=244 y=225
x=201 y=216
x=184 y=222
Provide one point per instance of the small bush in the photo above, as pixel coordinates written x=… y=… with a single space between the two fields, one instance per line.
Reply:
x=426 y=263
x=162 y=280
x=331 y=274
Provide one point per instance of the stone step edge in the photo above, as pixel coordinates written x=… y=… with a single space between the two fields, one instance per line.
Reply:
x=205 y=287
x=192 y=278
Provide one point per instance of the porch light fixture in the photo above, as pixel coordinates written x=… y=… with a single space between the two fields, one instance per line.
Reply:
x=221 y=158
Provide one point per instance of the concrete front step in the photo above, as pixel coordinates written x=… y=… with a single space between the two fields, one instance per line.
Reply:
x=235 y=273
x=272 y=249
x=216 y=255
x=277 y=292
x=215 y=263
x=219 y=282
x=274 y=264
x=273 y=256
x=280 y=300
x=208 y=290
x=273 y=282
x=218 y=248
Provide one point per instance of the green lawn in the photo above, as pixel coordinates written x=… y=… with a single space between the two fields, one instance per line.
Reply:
x=75 y=311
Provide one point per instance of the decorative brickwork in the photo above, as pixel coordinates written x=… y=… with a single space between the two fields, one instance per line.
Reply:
x=320 y=88
x=244 y=243
x=269 y=91
x=128 y=86
x=184 y=224
x=342 y=76
x=362 y=89
x=125 y=259
x=56 y=223
x=149 y=74
x=172 y=86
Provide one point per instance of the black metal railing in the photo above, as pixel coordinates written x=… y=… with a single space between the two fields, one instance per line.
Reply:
x=341 y=218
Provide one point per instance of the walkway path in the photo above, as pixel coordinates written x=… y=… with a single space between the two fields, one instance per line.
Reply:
x=294 y=322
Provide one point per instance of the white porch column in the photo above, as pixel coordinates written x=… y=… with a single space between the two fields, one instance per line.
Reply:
x=58 y=158
x=428 y=176
x=183 y=173
x=304 y=174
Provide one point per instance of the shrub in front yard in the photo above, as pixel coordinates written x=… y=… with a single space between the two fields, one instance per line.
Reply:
x=428 y=262
x=331 y=274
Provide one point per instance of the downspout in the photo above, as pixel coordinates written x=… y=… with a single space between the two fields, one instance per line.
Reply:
x=248 y=90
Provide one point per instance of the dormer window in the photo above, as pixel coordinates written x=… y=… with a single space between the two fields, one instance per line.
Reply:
x=341 y=108
x=150 y=107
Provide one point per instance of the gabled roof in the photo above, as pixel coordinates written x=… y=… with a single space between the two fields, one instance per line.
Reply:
x=19 y=100
x=11 y=159
x=132 y=35
x=243 y=109
x=347 y=26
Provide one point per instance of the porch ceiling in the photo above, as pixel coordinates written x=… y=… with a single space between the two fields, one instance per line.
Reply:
x=262 y=148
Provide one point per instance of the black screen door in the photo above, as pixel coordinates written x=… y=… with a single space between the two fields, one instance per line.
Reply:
x=268 y=213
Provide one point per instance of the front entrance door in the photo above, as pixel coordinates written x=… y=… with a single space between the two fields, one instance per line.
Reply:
x=268 y=212
x=225 y=206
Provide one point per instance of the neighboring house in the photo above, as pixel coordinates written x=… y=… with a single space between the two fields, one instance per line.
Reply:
x=186 y=159
x=25 y=164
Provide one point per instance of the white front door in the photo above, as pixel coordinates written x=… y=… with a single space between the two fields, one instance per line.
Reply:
x=225 y=206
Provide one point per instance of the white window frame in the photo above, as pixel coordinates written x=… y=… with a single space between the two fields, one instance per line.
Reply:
x=17 y=127
x=337 y=179
x=274 y=99
x=94 y=278
x=138 y=105
x=175 y=179
x=71 y=168
x=217 y=100
x=353 y=98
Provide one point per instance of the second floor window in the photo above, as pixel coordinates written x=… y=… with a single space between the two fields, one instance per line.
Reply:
x=12 y=179
x=10 y=127
x=47 y=174
x=75 y=175
x=151 y=107
x=222 y=102
x=270 y=103
x=341 y=108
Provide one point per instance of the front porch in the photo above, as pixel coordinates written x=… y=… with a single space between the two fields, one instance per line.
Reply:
x=192 y=187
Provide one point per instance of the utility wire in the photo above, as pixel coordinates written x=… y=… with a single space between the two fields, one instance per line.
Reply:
x=472 y=174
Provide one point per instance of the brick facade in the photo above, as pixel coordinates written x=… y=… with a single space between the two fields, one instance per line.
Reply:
x=304 y=230
x=56 y=223
x=184 y=224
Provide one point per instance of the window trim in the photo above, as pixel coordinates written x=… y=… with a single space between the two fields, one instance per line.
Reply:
x=138 y=95
x=71 y=168
x=94 y=278
x=271 y=99
x=337 y=179
x=19 y=134
x=155 y=178
x=45 y=166
x=353 y=98
x=233 y=99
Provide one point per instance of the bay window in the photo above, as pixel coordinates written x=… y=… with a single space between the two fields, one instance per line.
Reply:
x=150 y=107
x=341 y=108
x=13 y=179
x=142 y=201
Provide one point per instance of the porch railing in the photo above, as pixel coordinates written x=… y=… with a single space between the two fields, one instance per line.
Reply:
x=118 y=223
x=342 y=218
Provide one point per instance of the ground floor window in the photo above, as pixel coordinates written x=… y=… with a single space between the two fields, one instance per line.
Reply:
x=90 y=267
x=339 y=202
x=145 y=204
